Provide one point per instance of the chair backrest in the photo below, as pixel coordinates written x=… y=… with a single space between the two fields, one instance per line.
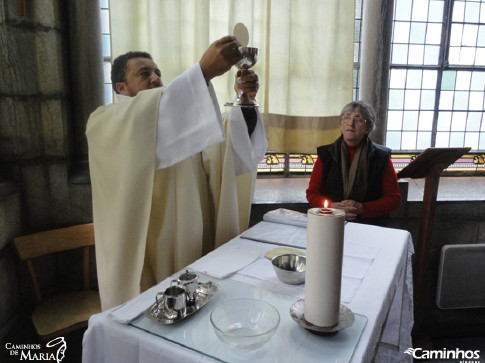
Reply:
x=57 y=240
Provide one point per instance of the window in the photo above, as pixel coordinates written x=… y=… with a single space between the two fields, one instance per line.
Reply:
x=437 y=75
x=357 y=47
x=106 y=45
x=436 y=81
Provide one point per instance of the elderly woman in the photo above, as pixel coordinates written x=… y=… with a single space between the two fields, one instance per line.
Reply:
x=354 y=174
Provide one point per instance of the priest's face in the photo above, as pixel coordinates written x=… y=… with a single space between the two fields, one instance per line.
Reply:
x=141 y=74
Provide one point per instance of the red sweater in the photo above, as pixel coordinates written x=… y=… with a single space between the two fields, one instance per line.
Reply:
x=390 y=200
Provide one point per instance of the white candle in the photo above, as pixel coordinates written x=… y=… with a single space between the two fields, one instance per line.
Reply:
x=324 y=257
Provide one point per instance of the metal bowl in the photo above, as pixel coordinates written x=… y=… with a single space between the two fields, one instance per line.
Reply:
x=290 y=268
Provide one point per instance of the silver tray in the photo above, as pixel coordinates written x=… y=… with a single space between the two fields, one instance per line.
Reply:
x=205 y=291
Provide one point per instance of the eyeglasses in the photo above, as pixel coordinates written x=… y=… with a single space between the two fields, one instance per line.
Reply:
x=357 y=119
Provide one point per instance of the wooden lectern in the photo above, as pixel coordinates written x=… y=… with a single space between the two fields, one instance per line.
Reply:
x=429 y=165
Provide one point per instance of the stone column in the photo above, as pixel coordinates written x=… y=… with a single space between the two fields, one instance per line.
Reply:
x=86 y=73
x=374 y=64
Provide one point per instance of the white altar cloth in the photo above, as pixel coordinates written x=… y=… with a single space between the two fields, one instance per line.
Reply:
x=383 y=295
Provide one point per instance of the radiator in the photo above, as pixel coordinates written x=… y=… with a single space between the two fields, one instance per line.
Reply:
x=461 y=277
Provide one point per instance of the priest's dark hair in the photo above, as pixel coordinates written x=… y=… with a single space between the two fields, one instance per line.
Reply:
x=119 y=67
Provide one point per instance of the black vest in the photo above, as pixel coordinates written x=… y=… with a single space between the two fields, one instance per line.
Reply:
x=332 y=184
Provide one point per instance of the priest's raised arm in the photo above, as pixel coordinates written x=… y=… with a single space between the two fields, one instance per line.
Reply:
x=169 y=176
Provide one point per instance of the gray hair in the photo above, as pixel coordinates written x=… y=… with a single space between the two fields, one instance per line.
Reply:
x=366 y=110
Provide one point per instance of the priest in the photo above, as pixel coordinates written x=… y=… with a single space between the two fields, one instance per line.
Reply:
x=171 y=179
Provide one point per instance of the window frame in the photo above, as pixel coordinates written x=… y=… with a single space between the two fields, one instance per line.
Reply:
x=442 y=66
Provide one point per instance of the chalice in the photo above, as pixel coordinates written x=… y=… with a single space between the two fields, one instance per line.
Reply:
x=249 y=58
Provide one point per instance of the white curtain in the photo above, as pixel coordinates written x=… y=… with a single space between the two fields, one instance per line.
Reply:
x=306 y=46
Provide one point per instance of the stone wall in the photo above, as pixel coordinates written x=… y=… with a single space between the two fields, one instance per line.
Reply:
x=35 y=107
x=37 y=142
x=9 y=271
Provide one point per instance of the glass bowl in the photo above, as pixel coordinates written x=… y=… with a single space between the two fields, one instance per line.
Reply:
x=244 y=324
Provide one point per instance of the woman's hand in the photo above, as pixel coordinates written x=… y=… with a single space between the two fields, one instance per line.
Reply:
x=351 y=208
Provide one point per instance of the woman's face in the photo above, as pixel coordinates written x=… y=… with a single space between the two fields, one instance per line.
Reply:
x=353 y=127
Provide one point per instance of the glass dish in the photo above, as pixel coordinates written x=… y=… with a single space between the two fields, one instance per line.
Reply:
x=245 y=324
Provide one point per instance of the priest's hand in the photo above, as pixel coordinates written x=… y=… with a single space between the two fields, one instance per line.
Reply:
x=247 y=82
x=220 y=57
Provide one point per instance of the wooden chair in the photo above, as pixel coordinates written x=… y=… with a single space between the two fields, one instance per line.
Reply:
x=64 y=312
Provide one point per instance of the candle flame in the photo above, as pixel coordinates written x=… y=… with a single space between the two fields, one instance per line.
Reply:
x=325 y=204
